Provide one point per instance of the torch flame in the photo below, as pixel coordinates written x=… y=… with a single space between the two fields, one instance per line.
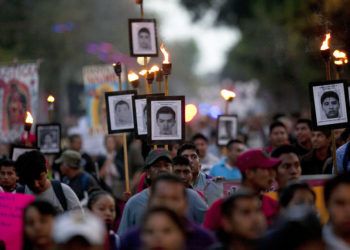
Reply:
x=143 y=72
x=325 y=42
x=165 y=54
x=340 y=57
x=227 y=94
x=154 y=68
x=50 y=99
x=29 y=118
x=132 y=76
x=190 y=112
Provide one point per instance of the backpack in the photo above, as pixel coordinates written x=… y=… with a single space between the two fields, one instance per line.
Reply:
x=57 y=188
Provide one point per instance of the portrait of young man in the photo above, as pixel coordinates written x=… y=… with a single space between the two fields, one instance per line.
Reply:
x=330 y=104
x=166 y=121
x=122 y=114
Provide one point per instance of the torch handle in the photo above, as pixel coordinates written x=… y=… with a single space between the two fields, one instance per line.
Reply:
x=125 y=147
x=328 y=70
x=166 y=86
x=334 y=154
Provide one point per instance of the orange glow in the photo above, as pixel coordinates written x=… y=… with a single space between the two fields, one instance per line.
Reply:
x=165 y=54
x=325 y=42
x=154 y=68
x=29 y=118
x=50 y=99
x=143 y=72
x=227 y=94
x=340 y=57
x=190 y=112
x=132 y=76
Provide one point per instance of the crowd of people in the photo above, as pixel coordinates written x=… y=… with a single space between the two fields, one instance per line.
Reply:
x=178 y=199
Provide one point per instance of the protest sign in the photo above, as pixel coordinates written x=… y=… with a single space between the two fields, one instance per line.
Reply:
x=11 y=219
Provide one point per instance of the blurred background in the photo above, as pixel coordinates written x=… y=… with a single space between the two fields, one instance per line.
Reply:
x=267 y=51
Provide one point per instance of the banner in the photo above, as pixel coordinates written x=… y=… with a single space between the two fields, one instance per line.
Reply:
x=19 y=92
x=98 y=79
x=11 y=219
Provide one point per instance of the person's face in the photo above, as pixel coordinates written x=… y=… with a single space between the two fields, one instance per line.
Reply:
x=303 y=133
x=302 y=197
x=319 y=140
x=247 y=220
x=192 y=156
x=159 y=167
x=234 y=150
x=166 y=123
x=8 y=177
x=330 y=107
x=339 y=210
x=170 y=195
x=76 y=144
x=261 y=179
x=64 y=168
x=160 y=232
x=111 y=143
x=104 y=208
x=38 y=227
x=288 y=170
x=278 y=136
x=122 y=113
x=144 y=40
x=39 y=185
x=202 y=147
x=48 y=139
x=185 y=173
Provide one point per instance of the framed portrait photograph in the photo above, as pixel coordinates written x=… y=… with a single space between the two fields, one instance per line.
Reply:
x=49 y=138
x=329 y=104
x=120 y=109
x=227 y=129
x=143 y=37
x=140 y=113
x=17 y=150
x=166 y=119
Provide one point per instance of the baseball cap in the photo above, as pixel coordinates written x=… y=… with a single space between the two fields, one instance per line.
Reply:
x=75 y=223
x=256 y=158
x=70 y=157
x=155 y=155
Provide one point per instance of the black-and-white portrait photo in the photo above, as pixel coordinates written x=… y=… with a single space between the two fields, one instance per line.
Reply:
x=167 y=118
x=143 y=37
x=226 y=129
x=120 y=111
x=16 y=151
x=329 y=103
x=140 y=113
x=49 y=138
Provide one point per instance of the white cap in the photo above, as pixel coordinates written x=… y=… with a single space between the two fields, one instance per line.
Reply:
x=75 y=223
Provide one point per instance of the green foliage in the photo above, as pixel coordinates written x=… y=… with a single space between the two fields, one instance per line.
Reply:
x=280 y=42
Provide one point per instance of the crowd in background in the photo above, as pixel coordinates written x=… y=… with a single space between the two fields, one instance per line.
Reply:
x=177 y=196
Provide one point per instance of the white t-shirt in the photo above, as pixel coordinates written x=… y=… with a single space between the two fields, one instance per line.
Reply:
x=50 y=196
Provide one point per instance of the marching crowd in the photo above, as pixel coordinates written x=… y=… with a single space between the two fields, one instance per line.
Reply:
x=178 y=198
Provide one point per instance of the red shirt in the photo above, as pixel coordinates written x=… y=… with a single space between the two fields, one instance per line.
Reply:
x=212 y=219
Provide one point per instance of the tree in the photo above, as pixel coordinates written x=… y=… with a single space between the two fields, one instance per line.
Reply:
x=280 y=42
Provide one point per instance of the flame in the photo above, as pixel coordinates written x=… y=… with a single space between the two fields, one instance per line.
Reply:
x=227 y=94
x=50 y=99
x=132 y=76
x=154 y=68
x=29 y=118
x=143 y=72
x=165 y=54
x=340 y=57
x=325 y=42
x=190 y=112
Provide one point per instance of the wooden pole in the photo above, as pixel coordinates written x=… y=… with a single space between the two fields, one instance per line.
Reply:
x=327 y=60
x=125 y=149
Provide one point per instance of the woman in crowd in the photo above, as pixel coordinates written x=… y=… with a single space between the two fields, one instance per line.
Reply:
x=103 y=205
x=38 y=222
x=162 y=229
